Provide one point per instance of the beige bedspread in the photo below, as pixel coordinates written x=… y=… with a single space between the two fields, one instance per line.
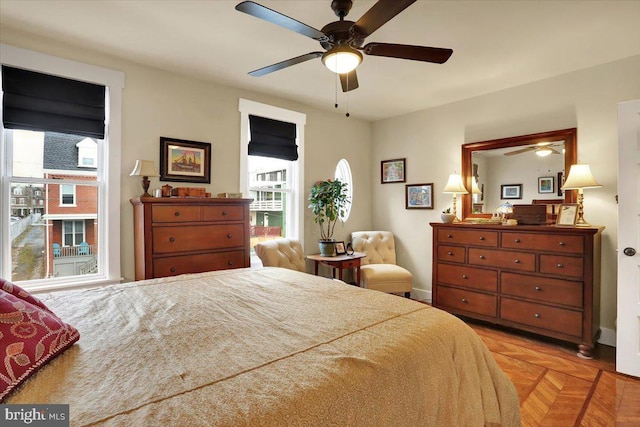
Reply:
x=267 y=347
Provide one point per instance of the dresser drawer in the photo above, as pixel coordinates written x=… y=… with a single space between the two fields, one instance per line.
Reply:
x=562 y=265
x=197 y=238
x=451 y=253
x=175 y=213
x=464 y=300
x=521 y=261
x=172 y=266
x=223 y=213
x=468 y=237
x=543 y=289
x=541 y=316
x=477 y=278
x=562 y=243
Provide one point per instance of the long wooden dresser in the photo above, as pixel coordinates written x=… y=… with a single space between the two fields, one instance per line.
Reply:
x=541 y=279
x=175 y=235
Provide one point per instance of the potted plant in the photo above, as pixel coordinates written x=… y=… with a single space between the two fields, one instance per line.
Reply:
x=447 y=217
x=327 y=201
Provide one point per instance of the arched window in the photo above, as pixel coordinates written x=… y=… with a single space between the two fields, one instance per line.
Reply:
x=343 y=173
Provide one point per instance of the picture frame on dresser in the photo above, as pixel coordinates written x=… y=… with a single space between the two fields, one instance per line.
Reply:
x=567 y=215
x=185 y=161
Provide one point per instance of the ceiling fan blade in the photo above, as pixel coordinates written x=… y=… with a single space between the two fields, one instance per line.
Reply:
x=524 y=150
x=379 y=14
x=284 y=64
x=554 y=151
x=436 y=55
x=349 y=81
x=269 y=15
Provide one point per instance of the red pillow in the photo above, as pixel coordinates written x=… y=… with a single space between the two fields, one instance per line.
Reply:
x=30 y=336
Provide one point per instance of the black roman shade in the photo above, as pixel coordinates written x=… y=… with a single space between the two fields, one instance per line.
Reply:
x=272 y=138
x=42 y=102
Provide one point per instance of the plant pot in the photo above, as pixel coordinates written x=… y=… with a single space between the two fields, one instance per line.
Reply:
x=447 y=218
x=327 y=247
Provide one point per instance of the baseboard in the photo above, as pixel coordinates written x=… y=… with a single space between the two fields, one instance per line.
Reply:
x=607 y=337
x=421 y=295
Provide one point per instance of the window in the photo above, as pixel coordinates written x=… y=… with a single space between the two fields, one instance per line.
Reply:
x=276 y=185
x=67 y=195
x=72 y=201
x=343 y=173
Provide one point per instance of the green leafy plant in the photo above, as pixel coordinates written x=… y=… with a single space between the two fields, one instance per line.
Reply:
x=327 y=201
x=446 y=211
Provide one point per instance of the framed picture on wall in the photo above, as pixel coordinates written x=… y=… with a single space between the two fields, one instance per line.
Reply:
x=393 y=171
x=511 y=191
x=185 y=161
x=545 y=184
x=560 y=183
x=419 y=196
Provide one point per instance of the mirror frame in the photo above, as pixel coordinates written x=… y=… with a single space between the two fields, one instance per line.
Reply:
x=570 y=137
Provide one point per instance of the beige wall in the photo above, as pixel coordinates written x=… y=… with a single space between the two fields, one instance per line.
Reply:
x=159 y=103
x=431 y=139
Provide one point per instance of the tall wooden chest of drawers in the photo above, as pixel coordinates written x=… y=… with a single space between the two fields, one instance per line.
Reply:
x=176 y=235
x=541 y=279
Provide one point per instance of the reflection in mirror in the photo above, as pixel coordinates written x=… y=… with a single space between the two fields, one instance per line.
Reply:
x=518 y=170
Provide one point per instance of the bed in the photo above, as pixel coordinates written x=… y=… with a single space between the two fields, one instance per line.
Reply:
x=266 y=347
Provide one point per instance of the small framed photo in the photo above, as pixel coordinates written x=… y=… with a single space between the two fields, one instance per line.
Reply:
x=511 y=191
x=393 y=171
x=567 y=214
x=545 y=184
x=419 y=196
x=185 y=161
x=340 y=248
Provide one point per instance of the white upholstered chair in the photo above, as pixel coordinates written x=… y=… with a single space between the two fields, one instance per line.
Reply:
x=379 y=270
x=285 y=253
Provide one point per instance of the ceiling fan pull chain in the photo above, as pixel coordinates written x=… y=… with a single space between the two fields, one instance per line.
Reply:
x=347 y=95
x=336 y=92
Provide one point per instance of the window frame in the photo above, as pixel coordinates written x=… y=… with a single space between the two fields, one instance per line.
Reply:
x=73 y=195
x=295 y=213
x=109 y=167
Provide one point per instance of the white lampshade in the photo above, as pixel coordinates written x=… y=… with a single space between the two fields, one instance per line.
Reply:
x=341 y=59
x=474 y=186
x=144 y=168
x=580 y=176
x=455 y=185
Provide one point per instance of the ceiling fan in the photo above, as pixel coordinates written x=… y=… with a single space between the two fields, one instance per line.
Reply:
x=541 y=149
x=343 y=40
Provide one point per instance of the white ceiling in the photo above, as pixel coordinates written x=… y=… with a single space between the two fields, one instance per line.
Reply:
x=496 y=44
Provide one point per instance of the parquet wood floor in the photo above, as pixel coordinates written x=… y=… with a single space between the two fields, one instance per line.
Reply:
x=557 y=388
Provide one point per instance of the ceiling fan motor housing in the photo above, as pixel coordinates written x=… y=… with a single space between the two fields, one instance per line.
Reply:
x=341 y=7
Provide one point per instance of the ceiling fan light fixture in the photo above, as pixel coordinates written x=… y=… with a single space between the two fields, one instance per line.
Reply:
x=341 y=59
x=544 y=151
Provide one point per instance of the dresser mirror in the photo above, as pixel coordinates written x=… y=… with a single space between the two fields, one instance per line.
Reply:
x=519 y=170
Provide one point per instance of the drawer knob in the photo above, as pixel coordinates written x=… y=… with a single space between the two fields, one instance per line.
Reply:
x=177 y=213
x=482 y=257
x=537 y=316
x=517 y=261
x=538 y=288
x=224 y=213
x=464 y=300
x=230 y=263
x=449 y=236
x=229 y=236
x=562 y=244
x=172 y=239
x=481 y=237
x=517 y=240
x=560 y=265
x=450 y=253
x=464 y=276
x=172 y=269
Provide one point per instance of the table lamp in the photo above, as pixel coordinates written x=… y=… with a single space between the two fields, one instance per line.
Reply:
x=455 y=186
x=145 y=169
x=580 y=177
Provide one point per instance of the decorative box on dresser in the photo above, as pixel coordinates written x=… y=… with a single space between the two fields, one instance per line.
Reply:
x=177 y=235
x=541 y=279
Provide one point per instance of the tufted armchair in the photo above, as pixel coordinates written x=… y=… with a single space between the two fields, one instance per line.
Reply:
x=379 y=270
x=285 y=253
